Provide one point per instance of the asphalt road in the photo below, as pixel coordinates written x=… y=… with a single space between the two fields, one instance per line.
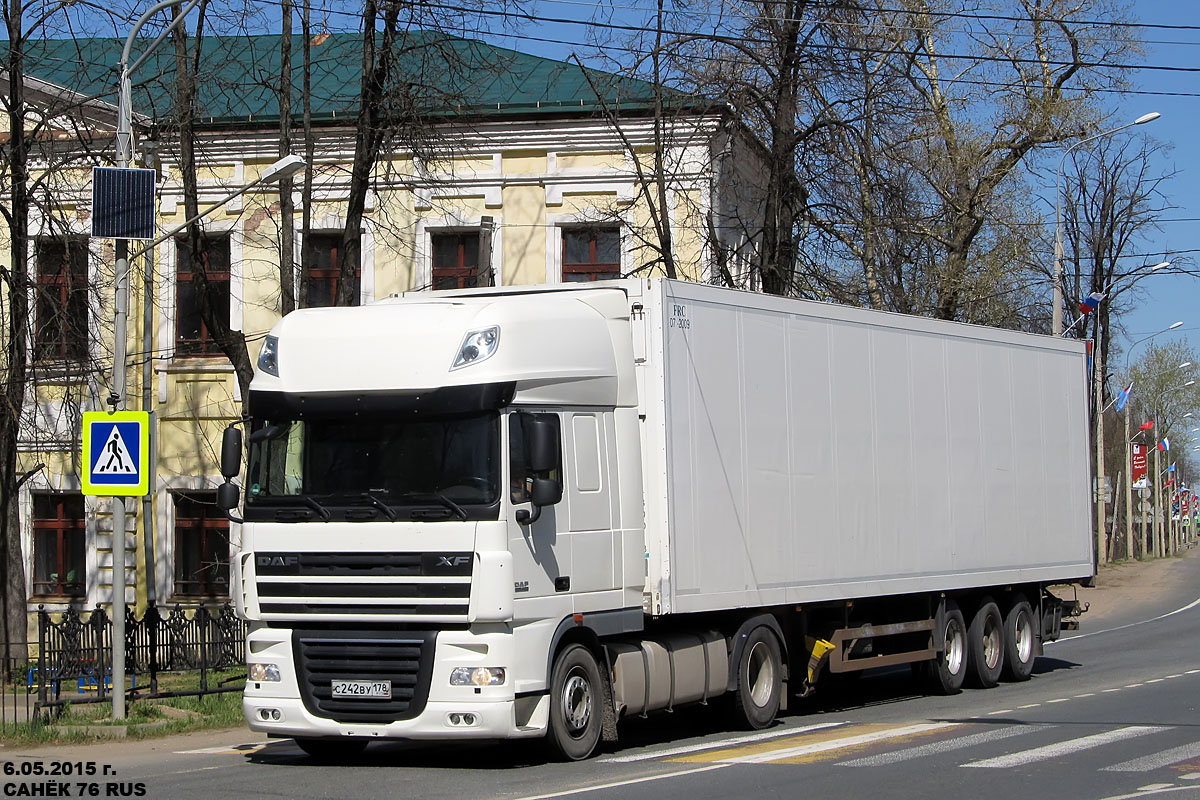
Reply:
x=1111 y=712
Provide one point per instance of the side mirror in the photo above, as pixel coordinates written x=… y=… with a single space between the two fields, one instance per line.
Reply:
x=231 y=453
x=545 y=492
x=543 y=443
x=227 y=496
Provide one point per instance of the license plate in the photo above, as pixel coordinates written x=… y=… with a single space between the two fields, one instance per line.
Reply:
x=371 y=690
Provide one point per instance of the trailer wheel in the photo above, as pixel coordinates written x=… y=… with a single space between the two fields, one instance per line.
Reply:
x=1019 y=644
x=331 y=750
x=947 y=672
x=576 y=715
x=759 y=680
x=986 y=644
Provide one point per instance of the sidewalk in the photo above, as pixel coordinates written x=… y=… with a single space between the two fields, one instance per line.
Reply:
x=1129 y=588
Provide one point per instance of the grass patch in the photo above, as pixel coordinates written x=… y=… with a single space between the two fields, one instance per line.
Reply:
x=146 y=718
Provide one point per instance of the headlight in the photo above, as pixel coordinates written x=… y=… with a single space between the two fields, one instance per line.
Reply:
x=477 y=346
x=477 y=676
x=268 y=357
x=263 y=672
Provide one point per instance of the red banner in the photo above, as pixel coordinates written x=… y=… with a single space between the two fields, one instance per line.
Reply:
x=1139 y=466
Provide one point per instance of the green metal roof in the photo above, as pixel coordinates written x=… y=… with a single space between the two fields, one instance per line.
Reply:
x=449 y=76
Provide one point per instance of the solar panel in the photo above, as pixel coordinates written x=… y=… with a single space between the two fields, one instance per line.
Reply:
x=123 y=203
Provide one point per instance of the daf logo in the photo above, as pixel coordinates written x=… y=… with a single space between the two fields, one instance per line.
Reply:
x=277 y=561
x=453 y=561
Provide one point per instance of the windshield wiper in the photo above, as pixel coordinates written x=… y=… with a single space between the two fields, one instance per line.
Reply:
x=441 y=499
x=382 y=506
x=312 y=503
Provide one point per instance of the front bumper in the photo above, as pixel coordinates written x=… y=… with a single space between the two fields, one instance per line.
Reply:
x=448 y=712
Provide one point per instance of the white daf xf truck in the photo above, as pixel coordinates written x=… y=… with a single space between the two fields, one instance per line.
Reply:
x=533 y=511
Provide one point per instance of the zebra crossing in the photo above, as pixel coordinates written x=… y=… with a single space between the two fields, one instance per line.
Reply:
x=970 y=745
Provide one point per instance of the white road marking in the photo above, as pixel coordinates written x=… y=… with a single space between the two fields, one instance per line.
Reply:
x=630 y=782
x=695 y=748
x=250 y=747
x=1063 y=748
x=1156 y=760
x=1001 y=711
x=942 y=747
x=1154 y=787
x=838 y=744
x=1058 y=700
x=1188 y=607
x=1089 y=694
x=1191 y=776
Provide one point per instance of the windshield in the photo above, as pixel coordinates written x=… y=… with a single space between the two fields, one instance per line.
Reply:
x=375 y=466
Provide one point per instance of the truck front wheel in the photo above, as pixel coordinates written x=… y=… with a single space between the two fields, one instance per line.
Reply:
x=759 y=680
x=576 y=715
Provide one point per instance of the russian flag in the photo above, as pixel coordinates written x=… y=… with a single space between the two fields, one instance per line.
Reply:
x=1123 y=397
x=1165 y=444
x=1091 y=302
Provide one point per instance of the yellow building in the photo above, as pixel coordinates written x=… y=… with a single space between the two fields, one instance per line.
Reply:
x=533 y=171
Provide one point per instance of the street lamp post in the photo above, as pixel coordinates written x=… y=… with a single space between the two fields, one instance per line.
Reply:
x=116 y=400
x=1056 y=312
x=289 y=165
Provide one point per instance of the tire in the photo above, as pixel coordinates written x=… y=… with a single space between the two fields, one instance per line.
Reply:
x=948 y=671
x=985 y=640
x=1020 y=642
x=576 y=697
x=759 y=681
x=331 y=750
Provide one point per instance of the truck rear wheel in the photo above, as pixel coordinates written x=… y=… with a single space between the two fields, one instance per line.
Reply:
x=759 y=680
x=331 y=749
x=1019 y=645
x=986 y=644
x=576 y=715
x=947 y=672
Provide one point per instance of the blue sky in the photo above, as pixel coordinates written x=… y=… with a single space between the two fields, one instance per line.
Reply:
x=1171 y=298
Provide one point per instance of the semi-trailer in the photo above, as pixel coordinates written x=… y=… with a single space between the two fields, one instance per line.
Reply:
x=534 y=511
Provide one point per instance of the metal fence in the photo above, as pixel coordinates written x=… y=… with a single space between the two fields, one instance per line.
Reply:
x=75 y=652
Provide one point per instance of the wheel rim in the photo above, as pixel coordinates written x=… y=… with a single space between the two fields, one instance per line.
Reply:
x=1024 y=637
x=760 y=673
x=954 y=647
x=993 y=643
x=577 y=702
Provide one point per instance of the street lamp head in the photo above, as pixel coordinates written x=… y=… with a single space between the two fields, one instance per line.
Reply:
x=1175 y=325
x=1144 y=118
x=285 y=167
x=1189 y=383
x=1160 y=265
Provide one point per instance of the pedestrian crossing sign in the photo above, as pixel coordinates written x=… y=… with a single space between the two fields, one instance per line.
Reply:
x=116 y=453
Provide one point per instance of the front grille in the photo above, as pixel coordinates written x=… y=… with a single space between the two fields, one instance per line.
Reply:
x=430 y=585
x=403 y=657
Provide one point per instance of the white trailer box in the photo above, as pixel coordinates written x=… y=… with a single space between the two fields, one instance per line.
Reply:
x=800 y=452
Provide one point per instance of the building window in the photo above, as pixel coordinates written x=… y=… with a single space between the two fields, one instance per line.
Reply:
x=201 y=546
x=62 y=299
x=192 y=336
x=455 y=260
x=591 y=254
x=59 y=530
x=324 y=254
